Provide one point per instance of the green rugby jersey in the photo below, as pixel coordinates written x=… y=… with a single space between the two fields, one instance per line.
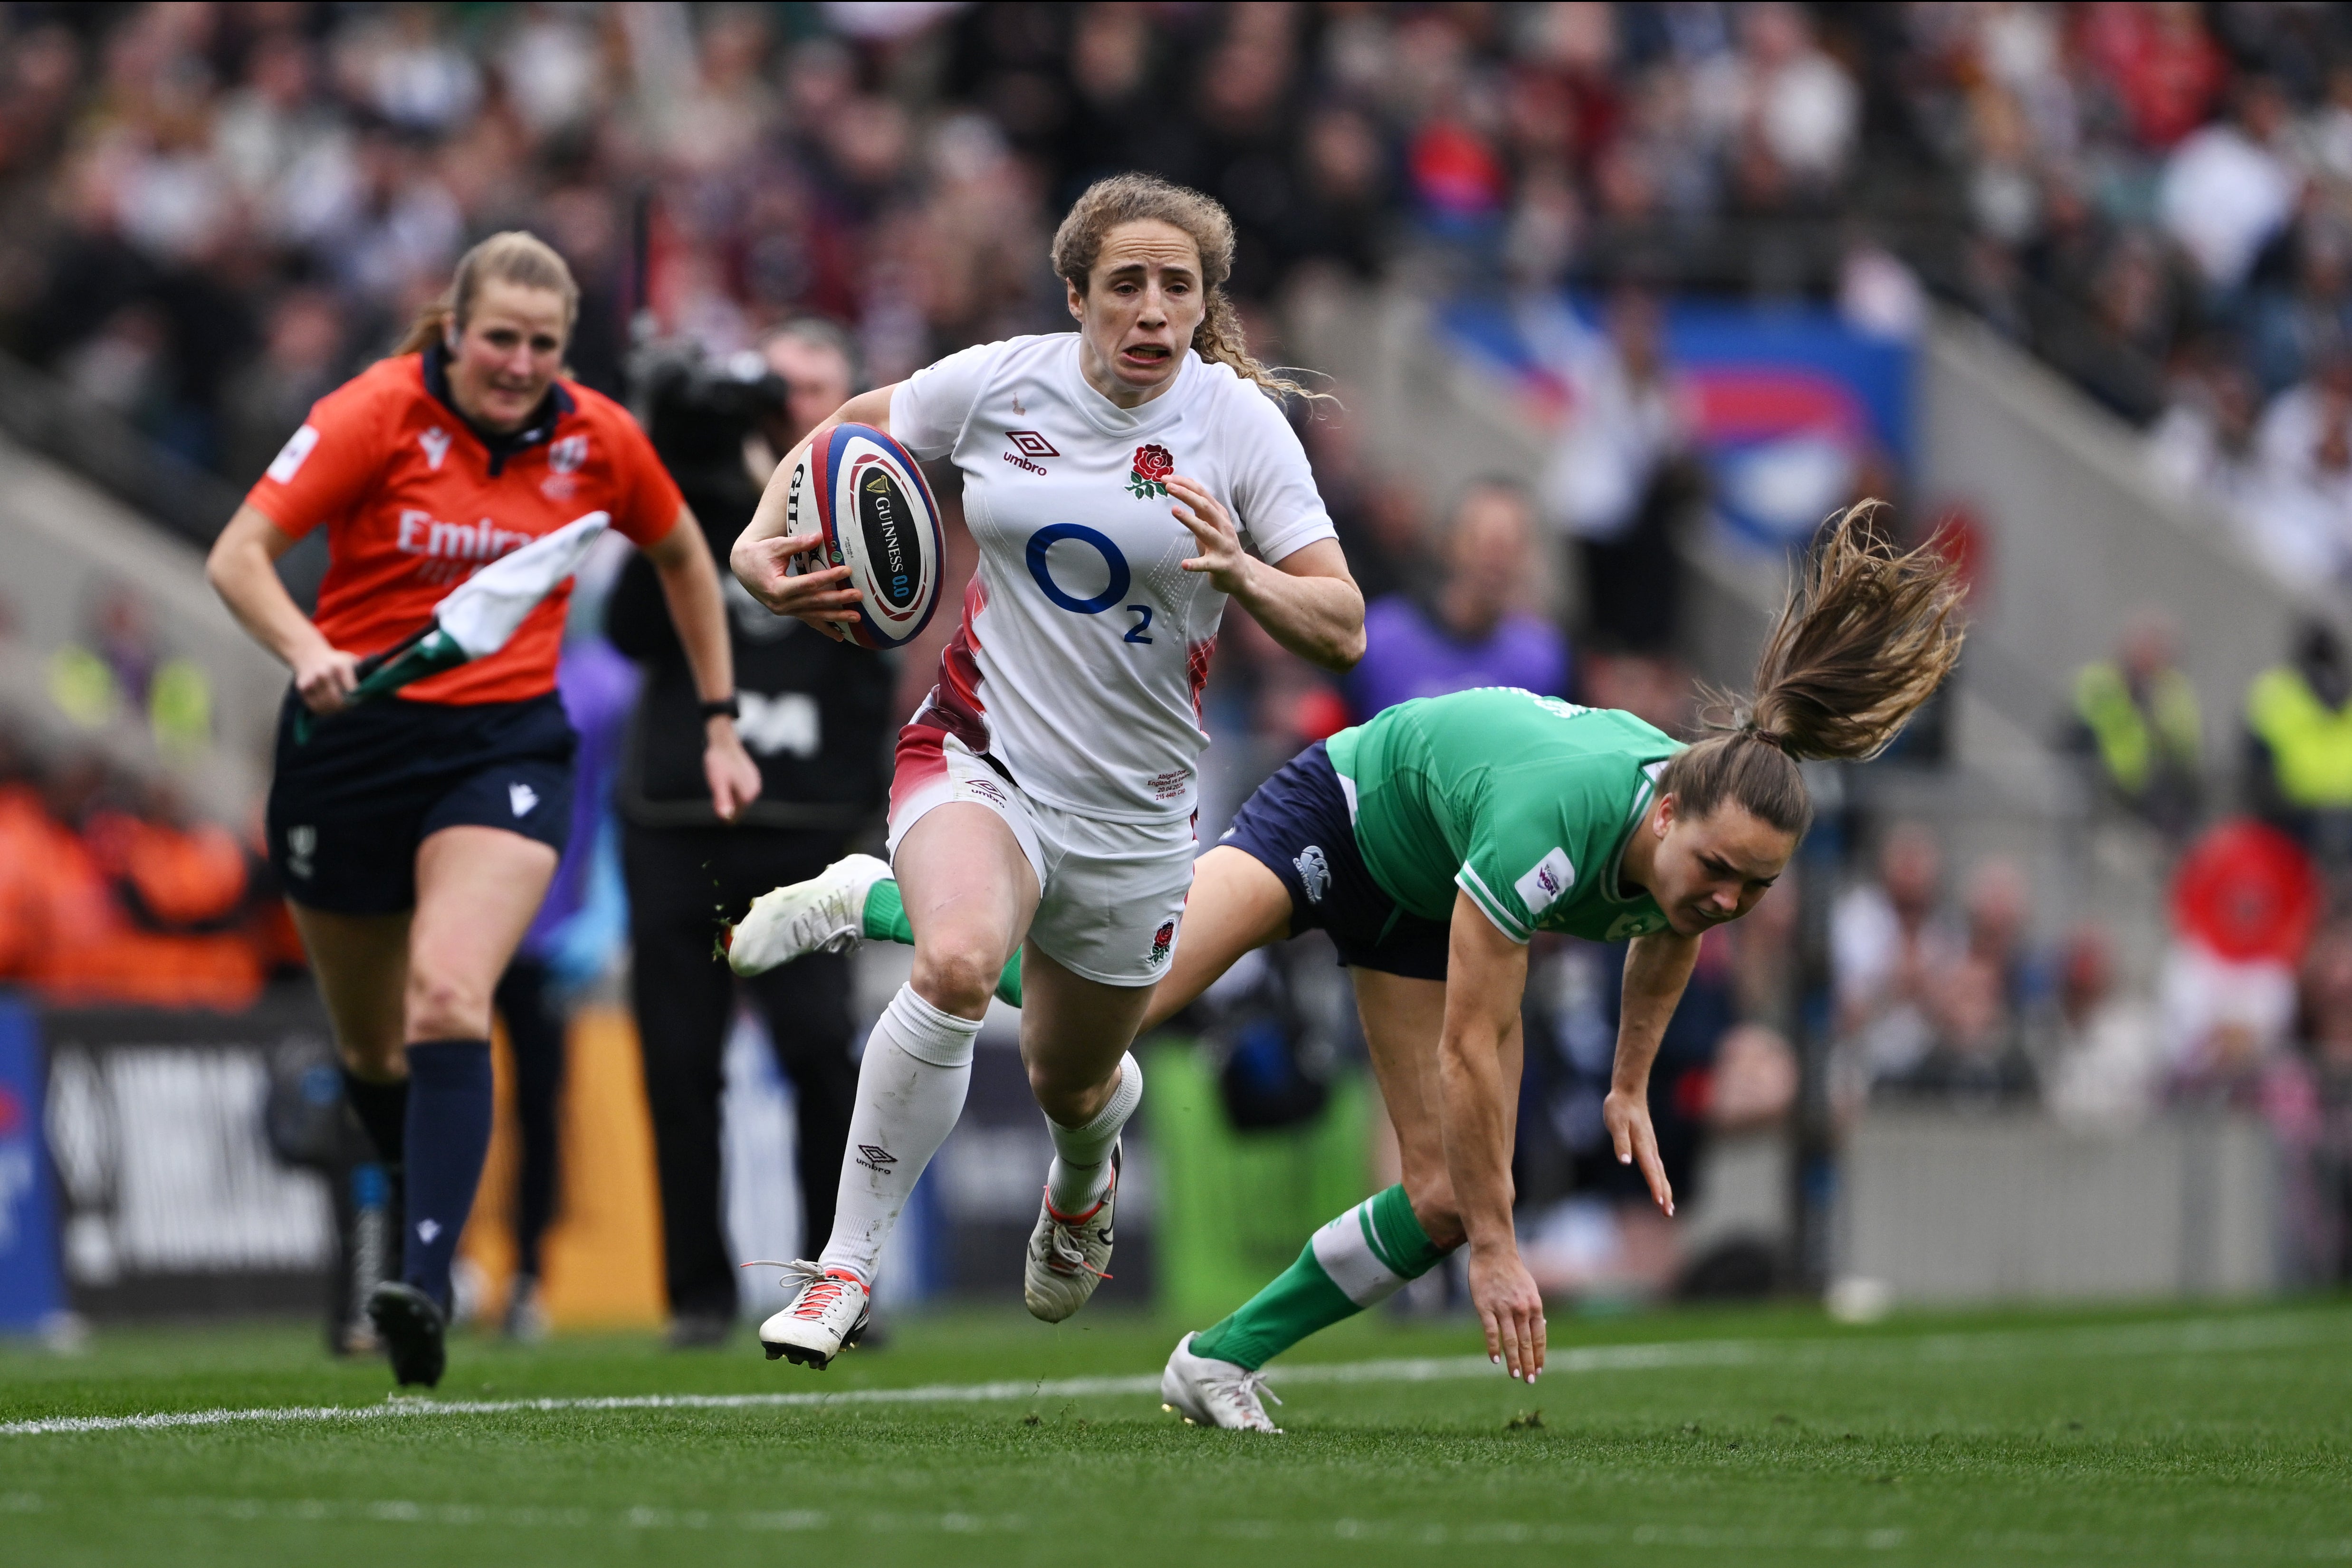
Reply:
x=1523 y=802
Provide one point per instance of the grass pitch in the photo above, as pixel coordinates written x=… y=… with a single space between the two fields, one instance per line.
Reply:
x=2210 y=1436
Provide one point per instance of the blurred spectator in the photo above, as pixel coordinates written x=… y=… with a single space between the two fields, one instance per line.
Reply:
x=2106 y=1067
x=817 y=362
x=1977 y=1000
x=2244 y=901
x=2299 y=745
x=2227 y=191
x=1617 y=482
x=1382 y=519
x=119 y=669
x=110 y=893
x=1657 y=691
x=2326 y=1032
x=2138 y=728
x=1887 y=954
x=1476 y=628
x=2204 y=443
x=1607 y=1237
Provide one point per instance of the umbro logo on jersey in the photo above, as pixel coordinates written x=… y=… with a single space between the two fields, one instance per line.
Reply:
x=435 y=443
x=875 y=1159
x=566 y=456
x=523 y=797
x=1031 y=444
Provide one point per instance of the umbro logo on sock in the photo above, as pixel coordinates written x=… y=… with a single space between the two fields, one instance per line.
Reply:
x=876 y=1158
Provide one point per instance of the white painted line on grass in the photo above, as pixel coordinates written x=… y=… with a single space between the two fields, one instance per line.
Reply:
x=2193 y=1337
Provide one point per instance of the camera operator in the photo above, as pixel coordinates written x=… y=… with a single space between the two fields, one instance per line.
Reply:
x=816 y=715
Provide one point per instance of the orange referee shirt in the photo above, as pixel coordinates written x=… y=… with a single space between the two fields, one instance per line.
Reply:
x=415 y=499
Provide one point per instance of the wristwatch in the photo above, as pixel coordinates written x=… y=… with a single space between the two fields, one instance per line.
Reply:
x=727 y=707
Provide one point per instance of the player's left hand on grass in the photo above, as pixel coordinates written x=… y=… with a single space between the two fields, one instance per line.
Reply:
x=728 y=770
x=1627 y=1117
x=1510 y=1308
x=1222 y=556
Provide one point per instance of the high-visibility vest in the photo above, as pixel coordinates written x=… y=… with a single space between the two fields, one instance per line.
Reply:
x=2310 y=743
x=2129 y=744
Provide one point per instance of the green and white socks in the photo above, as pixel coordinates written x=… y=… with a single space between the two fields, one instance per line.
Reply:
x=1358 y=1260
x=886 y=920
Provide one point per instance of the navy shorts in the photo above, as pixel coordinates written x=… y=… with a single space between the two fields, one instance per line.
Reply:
x=1298 y=826
x=349 y=806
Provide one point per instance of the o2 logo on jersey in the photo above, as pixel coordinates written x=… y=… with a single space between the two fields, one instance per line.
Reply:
x=1120 y=577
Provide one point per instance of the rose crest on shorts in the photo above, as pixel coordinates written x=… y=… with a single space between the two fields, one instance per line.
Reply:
x=1161 y=940
x=1148 y=475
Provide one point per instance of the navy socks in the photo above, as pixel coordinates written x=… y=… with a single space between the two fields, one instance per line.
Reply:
x=448 y=1138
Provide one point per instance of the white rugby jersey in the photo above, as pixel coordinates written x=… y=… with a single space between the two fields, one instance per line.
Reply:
x=1084 y=647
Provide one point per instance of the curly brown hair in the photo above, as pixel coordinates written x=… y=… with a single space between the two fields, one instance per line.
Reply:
x=1137 y=199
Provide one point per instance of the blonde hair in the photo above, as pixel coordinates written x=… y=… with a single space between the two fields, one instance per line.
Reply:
x=1863 y=638
x=1139 y=198
x=517 y=257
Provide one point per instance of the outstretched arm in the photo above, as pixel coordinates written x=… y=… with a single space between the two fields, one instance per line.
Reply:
x=1478 y=1090
x=762 y=551
x=1307 y=601
x=1656 y=969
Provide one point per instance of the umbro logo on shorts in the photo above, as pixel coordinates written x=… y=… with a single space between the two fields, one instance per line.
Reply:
x=301 y=843
x=523 y=797
x=876 y=1158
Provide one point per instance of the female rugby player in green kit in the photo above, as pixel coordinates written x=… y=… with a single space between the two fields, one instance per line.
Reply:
x=1432 y=842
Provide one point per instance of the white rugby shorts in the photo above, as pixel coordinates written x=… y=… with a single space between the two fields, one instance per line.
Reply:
x=1113 y=892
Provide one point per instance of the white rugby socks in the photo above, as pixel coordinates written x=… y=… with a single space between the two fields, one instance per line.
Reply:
x=1081 y=1171
x=910 y=1090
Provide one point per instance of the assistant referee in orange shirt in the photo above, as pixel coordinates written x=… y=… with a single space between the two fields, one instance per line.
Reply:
x=415 y=836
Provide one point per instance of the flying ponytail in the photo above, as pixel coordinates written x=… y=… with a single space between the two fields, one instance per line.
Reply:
x=1864 y=637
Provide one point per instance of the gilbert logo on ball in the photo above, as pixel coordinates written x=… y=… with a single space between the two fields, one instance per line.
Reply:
x=864 y=494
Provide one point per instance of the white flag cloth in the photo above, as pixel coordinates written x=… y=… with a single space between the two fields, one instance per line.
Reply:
x=481 y=613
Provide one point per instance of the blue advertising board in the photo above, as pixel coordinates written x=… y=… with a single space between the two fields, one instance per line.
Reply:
x=1789 y=405
x=32 y=1289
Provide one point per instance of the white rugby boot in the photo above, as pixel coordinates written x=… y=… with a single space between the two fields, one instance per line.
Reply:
x=1208 y=1392
x=1068 y=1257
x=829 y=1311
x=825 y=914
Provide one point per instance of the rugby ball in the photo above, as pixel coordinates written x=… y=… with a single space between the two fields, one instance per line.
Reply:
x=864 y=495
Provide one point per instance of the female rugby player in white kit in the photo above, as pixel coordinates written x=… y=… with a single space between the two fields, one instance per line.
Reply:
x=1043 y=793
